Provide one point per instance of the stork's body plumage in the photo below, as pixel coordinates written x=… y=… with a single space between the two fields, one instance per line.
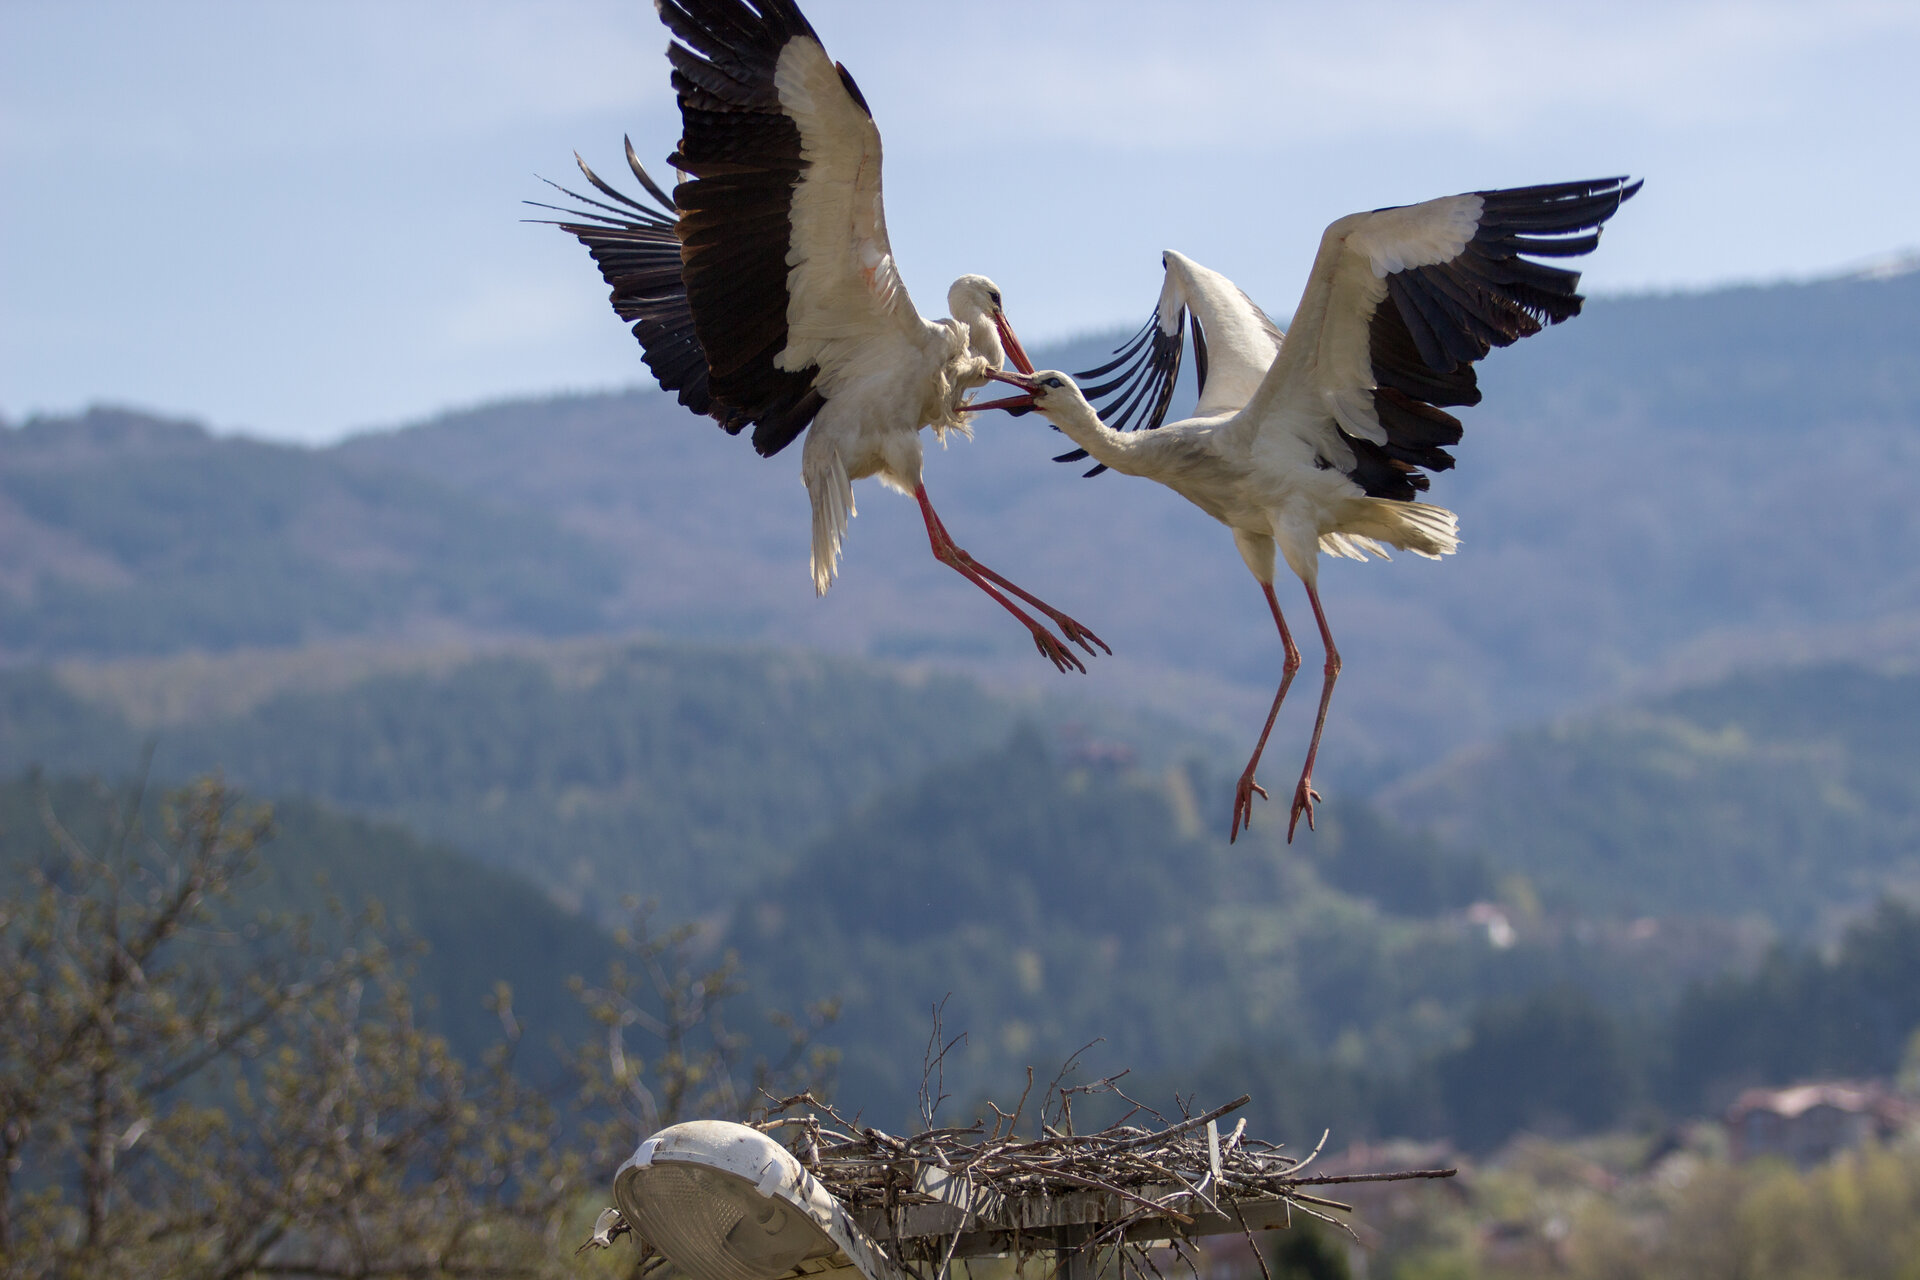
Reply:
x=1315 y=441
x=765 y=291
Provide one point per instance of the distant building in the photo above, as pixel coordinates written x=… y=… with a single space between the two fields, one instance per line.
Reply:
x=1812 y=1122
x=1492 y=918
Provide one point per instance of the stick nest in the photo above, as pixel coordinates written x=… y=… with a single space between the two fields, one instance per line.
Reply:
x=1153 y=1167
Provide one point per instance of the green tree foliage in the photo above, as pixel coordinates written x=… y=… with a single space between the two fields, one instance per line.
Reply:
x=187 y=1091
x=1557 y=1061
x=888 y=852
x=1407 y=872
x=1802 y=1014
x=1856 y=1217
x=674 y=773
x=1041 y=898
x=1788 y=793
x=1051 y=899
x=330 y=870
x=1307 y=1251
x=1554 y=1062
x=1597 y=1210
x=179 y=1099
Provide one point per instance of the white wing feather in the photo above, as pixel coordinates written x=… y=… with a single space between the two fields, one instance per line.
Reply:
x=843 y=287
x=1242 y=341
x=1325 y=371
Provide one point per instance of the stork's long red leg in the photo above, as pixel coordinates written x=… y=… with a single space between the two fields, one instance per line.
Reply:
x=946 y=553
x=1243 y=794
x=1304 y=796
x=1072 y=630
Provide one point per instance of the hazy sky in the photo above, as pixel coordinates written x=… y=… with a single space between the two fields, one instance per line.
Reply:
x=301 y=219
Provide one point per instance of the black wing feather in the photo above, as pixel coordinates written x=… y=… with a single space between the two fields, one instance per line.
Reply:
x=1146 y=366
x=743 y=158
x=1437 y=320
x=638 y=252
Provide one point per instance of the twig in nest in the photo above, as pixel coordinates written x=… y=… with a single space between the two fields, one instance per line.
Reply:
x=1195 y=1122
x=1073 y=1060
x=933 y=1073
x=1313 y=1154
x=1157 y=1176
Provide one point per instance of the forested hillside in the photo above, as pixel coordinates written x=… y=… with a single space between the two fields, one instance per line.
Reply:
x=1667 y=485
x=433 y=630
x=893 y=841
x=1374 y=981
x=668 y=772
x=699 y=776
x=125 y=534
x=1791 y=793
x=447 y=912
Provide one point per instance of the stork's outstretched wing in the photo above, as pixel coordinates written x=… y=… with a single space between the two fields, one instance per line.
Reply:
x=1403 y=301
x=785 y=252
x=1234 y=344
x=637 y=249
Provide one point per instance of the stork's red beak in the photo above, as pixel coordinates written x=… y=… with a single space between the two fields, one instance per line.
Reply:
x=1015 y=352
x=1026 y=384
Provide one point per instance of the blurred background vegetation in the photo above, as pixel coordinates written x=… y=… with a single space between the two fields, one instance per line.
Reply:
x=1623 y=814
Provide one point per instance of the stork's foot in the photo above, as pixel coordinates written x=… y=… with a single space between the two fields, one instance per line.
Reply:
x=1053 y=651
x=1304 y=798
x=1243 y=805
x=1076 y=633
x=1071 y=629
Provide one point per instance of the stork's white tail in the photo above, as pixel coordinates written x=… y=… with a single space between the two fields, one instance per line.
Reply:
x=832 y=494
x=1419 y=527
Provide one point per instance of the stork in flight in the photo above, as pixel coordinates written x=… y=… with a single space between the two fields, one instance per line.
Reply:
x=764 y=289
x=1314 y=440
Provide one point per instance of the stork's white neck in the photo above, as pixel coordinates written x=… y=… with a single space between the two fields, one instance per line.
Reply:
x=983 y=338
x=1074 y=416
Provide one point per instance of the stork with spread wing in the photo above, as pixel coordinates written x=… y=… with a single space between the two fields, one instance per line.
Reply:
x=764 y=290
x=1319 y=440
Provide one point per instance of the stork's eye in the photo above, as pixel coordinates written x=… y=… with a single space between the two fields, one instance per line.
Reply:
x=1055 y=383
x=995 y=295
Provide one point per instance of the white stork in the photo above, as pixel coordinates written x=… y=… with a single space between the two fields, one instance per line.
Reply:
x=765 y=291
x=1314 y=440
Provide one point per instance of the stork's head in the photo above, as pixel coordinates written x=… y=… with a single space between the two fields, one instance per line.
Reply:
x=975 y=302
x=1049 y=391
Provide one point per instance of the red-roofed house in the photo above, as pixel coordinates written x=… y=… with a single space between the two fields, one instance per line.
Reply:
x=1809 y=1123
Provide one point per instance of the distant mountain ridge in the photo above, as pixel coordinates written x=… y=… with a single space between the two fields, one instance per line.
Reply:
x=125 y=534
x=1661 y=481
